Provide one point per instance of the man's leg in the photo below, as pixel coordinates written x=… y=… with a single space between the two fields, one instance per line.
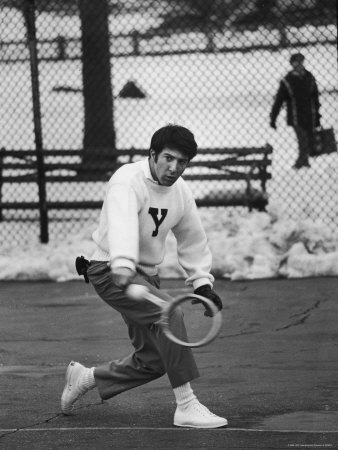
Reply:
x=154 y=353
x=304 y=143
x=145 y=364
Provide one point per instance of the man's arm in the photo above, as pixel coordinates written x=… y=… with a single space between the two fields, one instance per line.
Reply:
x=194 y=254
x=315 y=99
x=122 y=276
x=192 y=248
x=277 y=104
x=195 y=257
x=123 y=238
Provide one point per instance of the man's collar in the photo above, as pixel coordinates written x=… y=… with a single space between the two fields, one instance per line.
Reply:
x=147 y=171
x=298 y=74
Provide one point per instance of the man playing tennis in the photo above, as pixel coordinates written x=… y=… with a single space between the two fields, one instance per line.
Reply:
x=144 y=201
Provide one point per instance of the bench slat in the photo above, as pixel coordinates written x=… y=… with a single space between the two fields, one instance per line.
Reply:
x=103 y=177
x=103 y=168
x=239 y=164
x=237 y=200
x=267 y=149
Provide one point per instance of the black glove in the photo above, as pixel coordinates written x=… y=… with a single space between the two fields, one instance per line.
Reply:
x=206 y=291
x=82 y=264
x=273 y=125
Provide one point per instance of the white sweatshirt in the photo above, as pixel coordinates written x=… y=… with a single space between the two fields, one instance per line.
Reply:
x=136 y=217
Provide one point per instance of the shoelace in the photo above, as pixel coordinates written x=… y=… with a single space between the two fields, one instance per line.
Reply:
x=202 y=409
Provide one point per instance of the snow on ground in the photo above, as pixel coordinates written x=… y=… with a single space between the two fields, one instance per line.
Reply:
x=231 y=109
x=244 y=246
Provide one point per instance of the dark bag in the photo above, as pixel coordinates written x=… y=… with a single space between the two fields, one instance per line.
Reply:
x=323 y=141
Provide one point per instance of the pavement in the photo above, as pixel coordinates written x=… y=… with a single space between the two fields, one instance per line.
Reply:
x=272 y=371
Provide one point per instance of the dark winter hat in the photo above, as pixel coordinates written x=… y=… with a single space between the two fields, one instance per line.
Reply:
x=297 y=57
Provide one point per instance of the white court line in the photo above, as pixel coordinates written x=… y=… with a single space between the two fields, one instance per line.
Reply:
x=249 y=430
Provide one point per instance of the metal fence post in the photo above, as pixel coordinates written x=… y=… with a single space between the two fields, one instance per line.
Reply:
x=2 y=156
x=29 y=13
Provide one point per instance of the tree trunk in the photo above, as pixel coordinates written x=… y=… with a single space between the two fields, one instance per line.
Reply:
x=99 y=133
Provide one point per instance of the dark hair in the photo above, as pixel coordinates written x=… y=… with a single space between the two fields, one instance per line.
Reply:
x=297 y=57
x=174 y=137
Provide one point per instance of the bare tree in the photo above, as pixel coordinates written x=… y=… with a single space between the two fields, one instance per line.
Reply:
x=99 y=134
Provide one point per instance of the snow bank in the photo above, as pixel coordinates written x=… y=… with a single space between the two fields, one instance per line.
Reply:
x=244 y=246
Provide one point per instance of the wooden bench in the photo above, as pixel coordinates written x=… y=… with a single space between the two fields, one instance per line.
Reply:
x=246 y=165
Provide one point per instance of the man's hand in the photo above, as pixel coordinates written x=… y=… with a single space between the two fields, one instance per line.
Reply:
x=122 y=276
x=273 y=125
x=206 y=291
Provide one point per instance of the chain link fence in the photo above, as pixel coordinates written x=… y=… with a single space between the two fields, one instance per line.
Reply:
x=85 y=84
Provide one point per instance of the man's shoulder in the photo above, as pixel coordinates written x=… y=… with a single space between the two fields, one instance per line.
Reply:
x=290 y=80
x=309 y=75
x=289 y=76
x=127 y=172
x=182 y=186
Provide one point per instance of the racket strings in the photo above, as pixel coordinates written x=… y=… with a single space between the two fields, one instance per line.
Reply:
x=197 y=325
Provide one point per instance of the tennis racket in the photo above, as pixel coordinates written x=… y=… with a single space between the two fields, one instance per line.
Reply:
x=200 y=329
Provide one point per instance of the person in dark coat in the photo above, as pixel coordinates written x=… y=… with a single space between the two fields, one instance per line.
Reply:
x=298 y=89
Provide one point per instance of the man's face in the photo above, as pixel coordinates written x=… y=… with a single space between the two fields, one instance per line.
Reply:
x=169 y=166
x=298 y=65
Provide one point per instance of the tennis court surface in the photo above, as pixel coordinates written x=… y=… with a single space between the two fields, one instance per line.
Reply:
x=272 y=371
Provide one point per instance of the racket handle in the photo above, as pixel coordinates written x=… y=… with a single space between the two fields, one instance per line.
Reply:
x=138 y=292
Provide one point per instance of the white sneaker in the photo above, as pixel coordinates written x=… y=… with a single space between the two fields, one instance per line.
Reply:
x=196 y=415
x=74 y=387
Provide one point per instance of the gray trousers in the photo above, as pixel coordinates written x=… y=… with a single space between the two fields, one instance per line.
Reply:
x=154 y=354
x=304 y=138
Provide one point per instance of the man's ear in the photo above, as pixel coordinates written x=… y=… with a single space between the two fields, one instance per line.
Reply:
x=153 y=154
